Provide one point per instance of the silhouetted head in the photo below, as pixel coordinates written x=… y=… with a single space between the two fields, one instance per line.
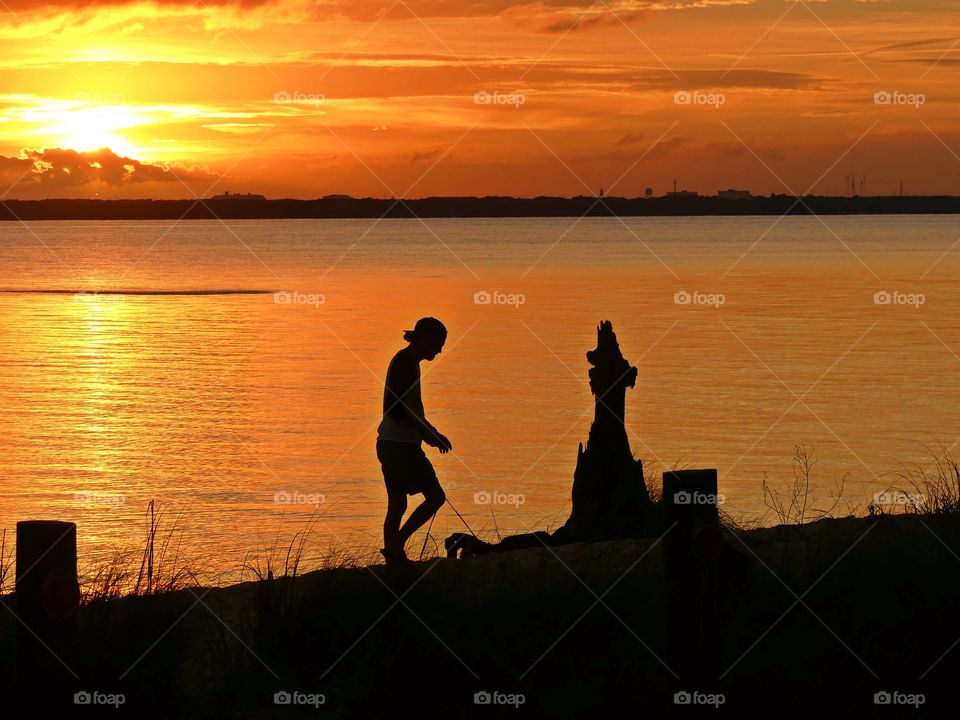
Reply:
x=427 y=337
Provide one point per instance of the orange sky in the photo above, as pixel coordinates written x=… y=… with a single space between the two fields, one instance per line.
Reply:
x=300 y=98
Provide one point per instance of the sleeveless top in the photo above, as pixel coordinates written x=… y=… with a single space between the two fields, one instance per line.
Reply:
x=390 y=428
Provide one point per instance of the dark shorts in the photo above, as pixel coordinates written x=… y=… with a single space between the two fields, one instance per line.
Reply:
x=406 y=468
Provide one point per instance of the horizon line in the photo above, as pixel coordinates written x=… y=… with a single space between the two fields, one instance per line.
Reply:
x=674 y=195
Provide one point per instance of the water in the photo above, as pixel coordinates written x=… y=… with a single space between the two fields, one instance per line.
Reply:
x=222 y=405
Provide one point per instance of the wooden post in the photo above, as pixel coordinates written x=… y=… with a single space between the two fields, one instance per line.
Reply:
x=47 y=597
x=692 y=549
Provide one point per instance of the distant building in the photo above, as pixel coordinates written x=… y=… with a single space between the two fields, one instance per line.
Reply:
x=648 y=192
x=238 y=196
x=734 y=194
x=681 y=193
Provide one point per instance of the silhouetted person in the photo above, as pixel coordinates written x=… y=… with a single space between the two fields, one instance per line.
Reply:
x=406 y=468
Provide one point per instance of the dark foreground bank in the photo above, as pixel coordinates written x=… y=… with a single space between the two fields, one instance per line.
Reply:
x=856 y=617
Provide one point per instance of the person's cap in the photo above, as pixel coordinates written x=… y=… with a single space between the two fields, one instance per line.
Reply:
x=427 y=327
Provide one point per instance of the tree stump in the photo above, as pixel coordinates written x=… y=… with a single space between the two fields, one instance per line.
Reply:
x=610 y=499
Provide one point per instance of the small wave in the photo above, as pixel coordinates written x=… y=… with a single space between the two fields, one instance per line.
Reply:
x=15 y=291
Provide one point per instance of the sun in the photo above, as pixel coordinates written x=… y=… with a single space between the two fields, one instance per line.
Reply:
x=85 y=126
x=92 y=127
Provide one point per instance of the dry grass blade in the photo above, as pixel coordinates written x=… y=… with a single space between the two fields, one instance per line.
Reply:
x=6 y=563
x=160 y=572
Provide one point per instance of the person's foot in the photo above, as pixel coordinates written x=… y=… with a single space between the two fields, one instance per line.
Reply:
x=395 y=557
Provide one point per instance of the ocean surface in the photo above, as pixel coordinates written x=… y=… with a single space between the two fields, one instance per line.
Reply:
x=233 y=371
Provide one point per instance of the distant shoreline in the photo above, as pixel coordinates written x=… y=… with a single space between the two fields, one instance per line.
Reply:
x=339 y=207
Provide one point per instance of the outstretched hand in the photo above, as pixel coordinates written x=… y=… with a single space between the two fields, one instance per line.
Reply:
x=442 y=443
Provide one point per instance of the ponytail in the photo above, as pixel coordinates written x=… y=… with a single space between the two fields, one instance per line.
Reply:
x=426 y=327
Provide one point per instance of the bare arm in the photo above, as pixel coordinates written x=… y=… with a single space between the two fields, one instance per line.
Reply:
x=405 y=405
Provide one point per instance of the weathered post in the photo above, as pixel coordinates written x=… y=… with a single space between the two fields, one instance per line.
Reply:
x=47 y=598
x=692 y=549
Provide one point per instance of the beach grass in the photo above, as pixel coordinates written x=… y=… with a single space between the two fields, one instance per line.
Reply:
x=159 y=566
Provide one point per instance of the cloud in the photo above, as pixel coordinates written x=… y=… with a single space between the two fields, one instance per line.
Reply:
x=914 y=44
x=26 y=6
x=667 y=147
x=62 y=168
x=580 y=21
x=12 y=167
x=549 y=12
x=551 y=16
x=702 y=79
x=949 y=62
x=425 y=155
x=630 y=139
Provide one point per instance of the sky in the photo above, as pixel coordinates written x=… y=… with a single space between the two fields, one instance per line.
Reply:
x=415 y=98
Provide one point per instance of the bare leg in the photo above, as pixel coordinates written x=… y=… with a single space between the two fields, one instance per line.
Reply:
x=396 y=507
x=431 y=503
